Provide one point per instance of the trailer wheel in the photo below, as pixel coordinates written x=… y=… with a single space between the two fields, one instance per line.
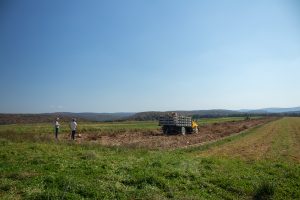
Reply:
x=183 y=131
x=165 y=130
x=195 y=130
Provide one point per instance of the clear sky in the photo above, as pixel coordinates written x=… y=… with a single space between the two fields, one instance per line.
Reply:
x=119 y=56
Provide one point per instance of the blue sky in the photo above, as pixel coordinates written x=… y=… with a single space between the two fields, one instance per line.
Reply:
x=120 y=56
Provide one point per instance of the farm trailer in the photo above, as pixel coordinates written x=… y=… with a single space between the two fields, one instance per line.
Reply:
x=174 y=123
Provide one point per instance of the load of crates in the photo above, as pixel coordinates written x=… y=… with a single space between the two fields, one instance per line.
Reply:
x=170 y=120
x=173 y=123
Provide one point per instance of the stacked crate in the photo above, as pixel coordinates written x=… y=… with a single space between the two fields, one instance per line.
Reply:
x=175 y=121
x=184 y=121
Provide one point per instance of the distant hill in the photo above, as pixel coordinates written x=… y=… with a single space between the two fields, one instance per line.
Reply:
x=98 y=116
x=142 y=116
x=154 y=115
x=32 y=118
x=64 y=116
x=273 y=110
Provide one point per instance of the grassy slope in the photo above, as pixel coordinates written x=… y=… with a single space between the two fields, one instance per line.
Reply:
x=41 y=170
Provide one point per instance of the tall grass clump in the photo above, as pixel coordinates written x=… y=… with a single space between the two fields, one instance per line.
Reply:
x=264 y=191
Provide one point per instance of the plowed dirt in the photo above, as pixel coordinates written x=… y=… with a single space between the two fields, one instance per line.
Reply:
x=157 y=140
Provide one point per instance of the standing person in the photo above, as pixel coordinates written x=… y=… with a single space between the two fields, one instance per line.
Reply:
x=73 y=126
x=56 y=126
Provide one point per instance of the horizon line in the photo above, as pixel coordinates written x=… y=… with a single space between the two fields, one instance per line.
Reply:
x=237 y=110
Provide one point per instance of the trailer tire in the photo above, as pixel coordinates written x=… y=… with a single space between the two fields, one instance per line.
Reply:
x=196 y=130
x=165 y=130
x=183 y=131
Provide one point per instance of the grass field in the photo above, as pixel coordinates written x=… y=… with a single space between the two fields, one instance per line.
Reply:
x=275 y=141
x=261 y=163
x=98 y=127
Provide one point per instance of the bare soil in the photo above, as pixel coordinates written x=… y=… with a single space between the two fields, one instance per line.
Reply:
x=157 y=140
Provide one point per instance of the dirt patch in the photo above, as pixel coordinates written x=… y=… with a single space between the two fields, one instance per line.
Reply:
x=157 y=140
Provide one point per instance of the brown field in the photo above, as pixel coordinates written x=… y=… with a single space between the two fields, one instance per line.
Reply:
x=154 y=139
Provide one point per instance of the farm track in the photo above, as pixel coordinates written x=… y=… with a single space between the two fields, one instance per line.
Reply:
x=156 y=140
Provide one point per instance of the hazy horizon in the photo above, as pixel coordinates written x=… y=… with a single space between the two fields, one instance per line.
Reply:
x=248 y=109
x=134 y=56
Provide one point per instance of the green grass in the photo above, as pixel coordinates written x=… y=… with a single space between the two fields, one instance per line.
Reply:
x=45 y=131
x=83 y=127
x=44 y=169
x=277 y=140
x=219 y=120
x=99 y=127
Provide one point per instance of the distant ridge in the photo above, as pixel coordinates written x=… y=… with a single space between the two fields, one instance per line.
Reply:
x=141 y=116
x=64 y=116
x=154 y=115
x=98 y=116
x=273 y=110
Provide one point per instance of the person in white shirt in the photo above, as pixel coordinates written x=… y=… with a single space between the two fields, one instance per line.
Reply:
x=56 y=126
x=73 y=126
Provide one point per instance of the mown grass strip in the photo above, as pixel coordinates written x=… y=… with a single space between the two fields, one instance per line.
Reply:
x=207 y=145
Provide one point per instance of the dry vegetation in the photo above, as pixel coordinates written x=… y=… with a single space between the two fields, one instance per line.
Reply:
x=155 y=139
